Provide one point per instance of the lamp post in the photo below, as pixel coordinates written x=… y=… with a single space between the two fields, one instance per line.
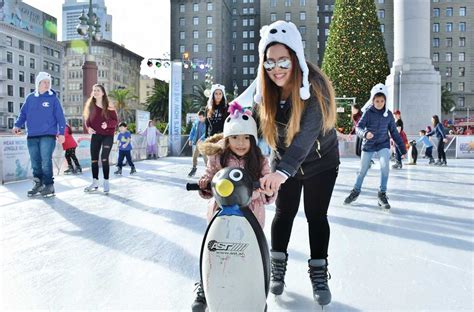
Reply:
x=236 y=90
x=89 y=28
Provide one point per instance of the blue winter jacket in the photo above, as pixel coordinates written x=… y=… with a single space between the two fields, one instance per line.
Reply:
x=197 y=125
x=374 y=121
x=43 y=115
x=438 y=130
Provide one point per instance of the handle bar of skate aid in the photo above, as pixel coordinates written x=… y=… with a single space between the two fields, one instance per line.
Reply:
x=195 y=186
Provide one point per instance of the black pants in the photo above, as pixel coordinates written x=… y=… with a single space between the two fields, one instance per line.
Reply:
x=441 y=153
x=317 y=195
x=128 y=156
x=71 y=156
x=105 y=142
x=429 y=152
x=358 y=146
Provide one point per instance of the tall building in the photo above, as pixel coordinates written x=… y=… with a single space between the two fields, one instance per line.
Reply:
x=28 y=45
x=118 y=68
x=303 y=13
x=223 y=34
x=452 y=46
x=72 y=9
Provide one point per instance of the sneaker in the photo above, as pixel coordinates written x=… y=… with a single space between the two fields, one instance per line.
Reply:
x=37 y=187
x=383 y=200
x=48 y=190
x=133 y=170
x=352 y=197
x=279 y=260
x=319 y=276
x=93 y=187
x=199 y=304
x=118 y=171
x=192 y=172
x=106 y=186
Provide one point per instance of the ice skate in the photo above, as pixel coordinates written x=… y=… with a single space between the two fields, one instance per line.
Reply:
x=37 y=187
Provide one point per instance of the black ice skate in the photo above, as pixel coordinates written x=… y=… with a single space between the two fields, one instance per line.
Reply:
x=383 y=200
x=199 y=304
x=37 y=187
x=133 y=170
x=397 y=165
x=192 y=172
x=279 y=260
x=352 y=197
x=319 y=276
x=78 y=170
x=118 y=171
x=48 y=191
x=70 y=170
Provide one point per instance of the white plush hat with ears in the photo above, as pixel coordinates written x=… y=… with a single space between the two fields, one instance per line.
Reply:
x=378 y=88
x=215 y=87
x=240 y=121
x=42 y=76
x=288 y=34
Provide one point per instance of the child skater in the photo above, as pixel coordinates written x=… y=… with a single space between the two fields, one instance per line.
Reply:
x=235 y=147
x=69 y=146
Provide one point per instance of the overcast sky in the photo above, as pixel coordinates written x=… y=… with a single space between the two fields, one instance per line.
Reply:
x=144 y=27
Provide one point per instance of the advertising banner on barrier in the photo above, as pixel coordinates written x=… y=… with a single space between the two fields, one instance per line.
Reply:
x=465 y=146
x=15 y=160
x=142 y=118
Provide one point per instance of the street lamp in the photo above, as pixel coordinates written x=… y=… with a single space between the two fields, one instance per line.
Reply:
x=89 y=28
x=236 y=90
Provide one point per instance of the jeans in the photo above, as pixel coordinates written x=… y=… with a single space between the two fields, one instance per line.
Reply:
x=384 y=158
x=105 y=142
x=41 y=150
x=128 y=156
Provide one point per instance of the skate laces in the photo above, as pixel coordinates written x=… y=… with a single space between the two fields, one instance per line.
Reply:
x=353 y=195
x=319 y=277
x=200 y=297
x=278 y=269
x=383 y=197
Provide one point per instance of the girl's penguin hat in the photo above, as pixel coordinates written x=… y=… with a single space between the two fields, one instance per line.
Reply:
x=378 y=88
x=288 y=34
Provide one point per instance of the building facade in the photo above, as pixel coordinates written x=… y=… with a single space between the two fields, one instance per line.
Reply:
x=28 y=45
x=72 y=9
x=118 y=68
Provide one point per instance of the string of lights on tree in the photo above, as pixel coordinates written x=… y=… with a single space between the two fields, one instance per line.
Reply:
x=355 y=58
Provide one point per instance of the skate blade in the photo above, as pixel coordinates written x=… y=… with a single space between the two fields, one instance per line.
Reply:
x=91 y=191
x=48 y=195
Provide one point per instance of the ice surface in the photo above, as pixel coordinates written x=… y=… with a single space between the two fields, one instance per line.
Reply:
x=138 y=247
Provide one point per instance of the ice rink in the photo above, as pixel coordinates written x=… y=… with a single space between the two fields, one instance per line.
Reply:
x=138 y=247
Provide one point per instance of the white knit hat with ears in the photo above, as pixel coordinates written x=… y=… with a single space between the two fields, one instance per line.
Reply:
x=43 y=76
x=378 y=88
x=240 y=121
x=287 y=34
x=215 y=87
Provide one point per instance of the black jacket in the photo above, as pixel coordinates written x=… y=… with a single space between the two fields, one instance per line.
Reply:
x=311 y=152
x=215 y=124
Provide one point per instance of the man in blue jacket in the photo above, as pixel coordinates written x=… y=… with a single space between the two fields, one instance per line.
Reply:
x=197 y=135
x=374 y=127
x=44 y=118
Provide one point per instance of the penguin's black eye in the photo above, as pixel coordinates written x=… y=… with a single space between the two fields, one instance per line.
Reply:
x=273 y=31
x=236 y=175
x=245 y=117
x=228 y=119
x=283 y=31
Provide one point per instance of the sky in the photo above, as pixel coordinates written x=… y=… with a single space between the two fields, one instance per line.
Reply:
x=143 y=28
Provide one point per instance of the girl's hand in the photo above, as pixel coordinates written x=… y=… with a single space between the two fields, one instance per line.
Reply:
x=369 y=135
x=90 y=131
x=61 y=139
x=104 y=125
x=202 y=184
x=271 y=182
x=267 y=193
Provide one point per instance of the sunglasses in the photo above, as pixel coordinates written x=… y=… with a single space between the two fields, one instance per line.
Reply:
x=283 y=64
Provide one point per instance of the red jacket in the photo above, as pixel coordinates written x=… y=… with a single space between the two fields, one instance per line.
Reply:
x=69 y=141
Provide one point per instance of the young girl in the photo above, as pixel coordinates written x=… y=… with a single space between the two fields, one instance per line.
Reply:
x=69 y=146
x=236 y=147
x=151 y=134
x=101 y=120
x=438 y=129
x=216 y=110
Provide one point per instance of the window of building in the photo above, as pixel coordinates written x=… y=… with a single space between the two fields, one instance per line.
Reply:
x=449 y=27
x=32 y=63
x=251 y=46
x=245 y=11
x=32 y=78
x=302 y=30
x=304 y=44
x=251 y=11
x=462 y=11
x=21 y=60
x=273 y=17
x=195 y=7
x=245 y=46
x=209 y=20
x=245 y=34
x=182 y=8
x=245 y=22
x=435 y=42
x=288 y=3
x=195 y=20
x=327 y=19
x=245 y=83
x=381 y=1
x=435 y=57
x=252 y=58
x=252 y=22
x=209 y=60
x=181 y=49
x=436 y=12
x=10 y=90
x=462 y=27
x=449 y=42
x=9 y=57
x=182 y=35
x=252 y=34
x=234 y=35
x=234 y=11
x=460 y=101
x=449 y=57
x=462 y=56
x=21 y=76
x=462 y=71
x=32 y=48
x=461 y=86
x=195 y=34
x=462 y=41
x=209 y=33
x=273 y=3
x=449 y=11
x=382 y=28
x=245 y=70
x=195 y=48
x=302 y=16
x=449 y=71
x=287 y=16
x=21 y=91
x=435 y=27
x=10 y=107
x=449 y=86
x=326 y=32
x=10 y=73
x=209 y=47
x=245 y=58
x=195 y=76
x=381 y=14
x=9 y=41
x=209 y=6
x=21 y=44
x=182 y=21
x=233 y=46
x=252 y=70
x=234 y=71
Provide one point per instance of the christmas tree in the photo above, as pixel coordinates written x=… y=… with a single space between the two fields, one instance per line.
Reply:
x=355 y=58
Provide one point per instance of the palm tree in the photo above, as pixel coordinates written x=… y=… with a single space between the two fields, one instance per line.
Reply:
x=157 y=103
x=122 y=97
x=447 y=101
x=199 y=97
